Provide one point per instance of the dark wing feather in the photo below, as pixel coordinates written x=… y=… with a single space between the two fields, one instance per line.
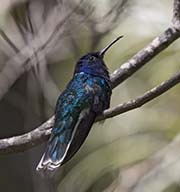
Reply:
x=81 y=133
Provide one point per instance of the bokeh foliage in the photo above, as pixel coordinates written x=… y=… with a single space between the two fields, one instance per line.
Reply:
x=115 y=145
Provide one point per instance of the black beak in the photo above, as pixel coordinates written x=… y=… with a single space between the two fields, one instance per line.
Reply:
x=103 y=51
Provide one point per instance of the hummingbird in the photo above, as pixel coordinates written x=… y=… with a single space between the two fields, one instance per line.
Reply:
x=86 y=96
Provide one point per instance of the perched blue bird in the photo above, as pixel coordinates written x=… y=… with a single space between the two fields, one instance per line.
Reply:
x=86 y=96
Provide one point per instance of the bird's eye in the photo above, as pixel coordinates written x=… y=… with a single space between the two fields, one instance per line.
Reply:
x=92 y=58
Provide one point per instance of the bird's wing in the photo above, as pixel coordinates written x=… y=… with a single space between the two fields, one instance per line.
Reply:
x=80 y=135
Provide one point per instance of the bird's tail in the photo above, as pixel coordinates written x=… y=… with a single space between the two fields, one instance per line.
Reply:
x=53 y=156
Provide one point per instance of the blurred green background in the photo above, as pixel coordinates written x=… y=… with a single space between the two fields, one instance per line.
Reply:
x=114 y=145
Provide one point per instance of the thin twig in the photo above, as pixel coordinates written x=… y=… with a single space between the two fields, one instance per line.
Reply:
x=141 y=100
x=145 y=55
x=8 y=40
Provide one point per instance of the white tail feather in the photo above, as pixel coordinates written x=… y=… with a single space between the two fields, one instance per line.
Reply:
x=48 y=165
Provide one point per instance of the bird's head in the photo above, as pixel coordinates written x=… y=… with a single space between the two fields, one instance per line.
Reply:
x=92 y=63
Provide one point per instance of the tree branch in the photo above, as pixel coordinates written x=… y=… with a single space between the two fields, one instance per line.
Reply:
x=40 y=134
x=176 y=15
x=150 y=51
x=144 y=55
x=28 y=140
x=141 y=100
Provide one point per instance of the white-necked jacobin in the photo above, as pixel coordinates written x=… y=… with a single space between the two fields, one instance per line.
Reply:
x=86 y=96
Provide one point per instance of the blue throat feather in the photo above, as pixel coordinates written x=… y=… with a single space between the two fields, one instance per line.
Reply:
x=86 y=95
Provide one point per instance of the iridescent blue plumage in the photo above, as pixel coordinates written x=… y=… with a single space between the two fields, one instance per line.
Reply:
x=86 y=96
